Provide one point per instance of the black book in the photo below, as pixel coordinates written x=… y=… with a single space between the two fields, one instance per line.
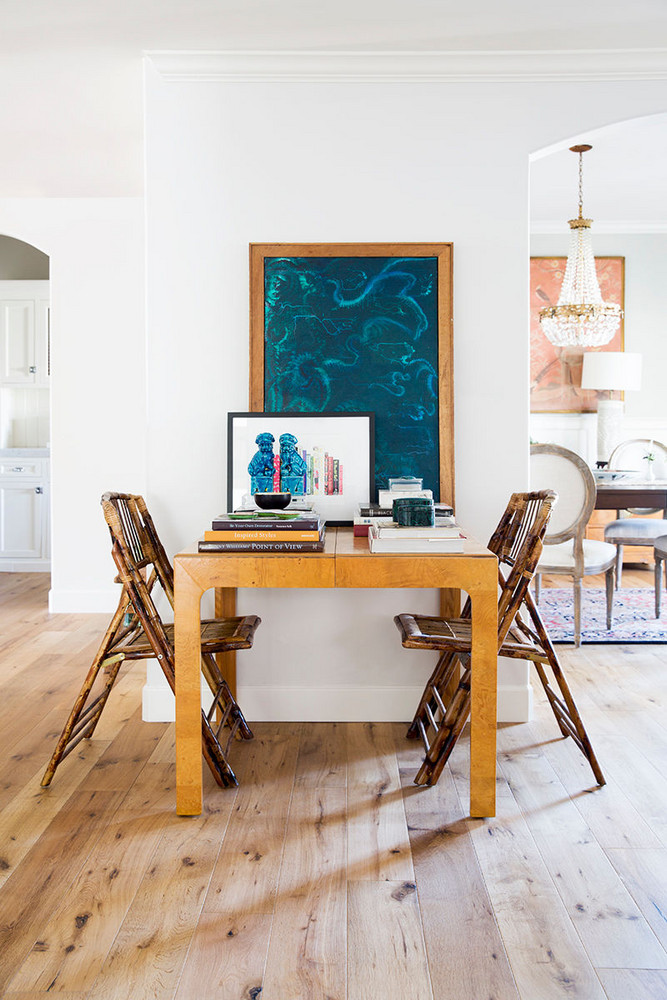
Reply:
x=256 y=522
x=261 y=546
x=374 y=510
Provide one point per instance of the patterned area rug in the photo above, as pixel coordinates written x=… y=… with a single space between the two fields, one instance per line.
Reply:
x=634 y=615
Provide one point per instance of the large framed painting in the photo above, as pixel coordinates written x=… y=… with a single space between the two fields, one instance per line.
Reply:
x=360 y=327
x=555 y=372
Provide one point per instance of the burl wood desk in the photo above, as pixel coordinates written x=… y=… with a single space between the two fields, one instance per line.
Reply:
x=346 y=562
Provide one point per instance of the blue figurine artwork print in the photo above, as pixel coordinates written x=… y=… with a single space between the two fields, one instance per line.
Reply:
x=262 y=464
x=292 y=466
x=310 y=472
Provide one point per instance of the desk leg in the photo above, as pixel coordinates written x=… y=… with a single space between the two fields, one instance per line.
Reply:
x=483 y=711
x=187 y=618
x=225 y=607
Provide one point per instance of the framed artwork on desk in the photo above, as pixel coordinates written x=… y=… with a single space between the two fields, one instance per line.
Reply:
x=325 y=460
x=360 y=327
x=555 y=372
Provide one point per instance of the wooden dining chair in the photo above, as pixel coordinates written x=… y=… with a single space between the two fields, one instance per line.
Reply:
x=137 y=632
x=440 y=715
x=566 y=551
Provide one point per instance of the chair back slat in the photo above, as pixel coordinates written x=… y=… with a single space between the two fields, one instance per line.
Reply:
x=518 y=543
x=136 y=550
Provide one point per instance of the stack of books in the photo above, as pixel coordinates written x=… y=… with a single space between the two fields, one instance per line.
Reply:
x=368 y=513
x=270 y=531
x=383 y=537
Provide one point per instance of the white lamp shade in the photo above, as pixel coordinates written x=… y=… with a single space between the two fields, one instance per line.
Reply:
x=611 y=370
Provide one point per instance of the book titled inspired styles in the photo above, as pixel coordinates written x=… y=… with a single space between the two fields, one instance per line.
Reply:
x=262 y=534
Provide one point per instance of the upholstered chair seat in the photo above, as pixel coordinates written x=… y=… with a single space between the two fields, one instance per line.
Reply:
x=560 y=558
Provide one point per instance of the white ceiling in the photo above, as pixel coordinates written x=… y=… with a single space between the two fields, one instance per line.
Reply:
x=71 y=76
x=624 y=180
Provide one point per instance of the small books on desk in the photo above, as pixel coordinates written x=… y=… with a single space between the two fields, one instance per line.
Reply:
x=273 y=532
x=370 y=510
x=384 y=538
x=267 y=521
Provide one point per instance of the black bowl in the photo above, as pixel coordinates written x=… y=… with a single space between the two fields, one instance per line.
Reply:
x=273 y=501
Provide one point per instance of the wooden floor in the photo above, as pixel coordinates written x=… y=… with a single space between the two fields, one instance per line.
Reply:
x=327 y=874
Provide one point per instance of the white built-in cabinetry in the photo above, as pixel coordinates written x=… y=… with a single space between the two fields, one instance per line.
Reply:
x=24 y=426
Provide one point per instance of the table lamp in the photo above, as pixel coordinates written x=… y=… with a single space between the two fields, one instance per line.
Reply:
x=610 y=371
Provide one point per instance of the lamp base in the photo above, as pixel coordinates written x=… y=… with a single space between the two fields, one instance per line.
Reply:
x=610 y=427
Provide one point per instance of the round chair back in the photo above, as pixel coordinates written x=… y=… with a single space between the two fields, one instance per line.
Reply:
x=562 y=470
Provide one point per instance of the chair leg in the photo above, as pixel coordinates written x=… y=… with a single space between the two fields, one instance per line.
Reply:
x=564 y=708
x=609 y=583
x=538 y=587
x=448 y=731
x=431 y=698
x=577 y=612
x=82 y=720
x=658 y=584
x=619 y=565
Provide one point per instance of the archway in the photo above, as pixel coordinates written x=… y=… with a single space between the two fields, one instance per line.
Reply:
x=24 y=407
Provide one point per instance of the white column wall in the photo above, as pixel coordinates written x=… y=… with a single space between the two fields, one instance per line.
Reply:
x=98 y=392
x=234 y=163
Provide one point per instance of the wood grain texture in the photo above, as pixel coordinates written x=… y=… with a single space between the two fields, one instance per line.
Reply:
x=633 y=984
x=109 y=894
x=76 y=940
x=386 y=954
x=607 y=919
x=377 y=833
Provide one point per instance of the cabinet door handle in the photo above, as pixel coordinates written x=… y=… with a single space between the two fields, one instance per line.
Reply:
x=39 y=489
x=18 y=468
x=33 y=369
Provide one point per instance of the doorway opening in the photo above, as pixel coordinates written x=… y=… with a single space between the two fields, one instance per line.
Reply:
x=25 y=424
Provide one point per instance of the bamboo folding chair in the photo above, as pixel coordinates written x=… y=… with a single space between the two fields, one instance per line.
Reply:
x=440 y=715
x=137 y=632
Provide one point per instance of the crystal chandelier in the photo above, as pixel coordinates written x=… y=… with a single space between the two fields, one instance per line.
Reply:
x=581 y=318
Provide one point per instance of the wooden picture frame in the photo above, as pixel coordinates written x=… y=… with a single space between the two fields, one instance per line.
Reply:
x=555 y=372
x=360 y=327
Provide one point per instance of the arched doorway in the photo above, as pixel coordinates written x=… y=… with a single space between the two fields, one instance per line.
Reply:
x=24 y=407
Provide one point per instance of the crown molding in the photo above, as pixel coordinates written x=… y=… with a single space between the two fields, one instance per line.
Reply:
x=418 y=67
x=611 y=226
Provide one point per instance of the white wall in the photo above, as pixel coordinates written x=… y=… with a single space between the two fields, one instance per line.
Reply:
x=98 y=396
x=239 y=162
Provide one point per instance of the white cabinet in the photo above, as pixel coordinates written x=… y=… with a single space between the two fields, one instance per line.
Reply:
x=24 y=500
x=21 y=508
x=24 y=333
x=25 y=349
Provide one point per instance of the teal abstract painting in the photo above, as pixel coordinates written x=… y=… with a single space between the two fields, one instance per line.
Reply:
x=357 y=334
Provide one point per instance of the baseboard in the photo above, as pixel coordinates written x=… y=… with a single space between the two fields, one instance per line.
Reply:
x=25 y=565
x=331 y=704
x=515 y=703
x=70 y=602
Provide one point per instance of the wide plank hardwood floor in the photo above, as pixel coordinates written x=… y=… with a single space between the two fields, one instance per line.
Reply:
x=327 y=873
